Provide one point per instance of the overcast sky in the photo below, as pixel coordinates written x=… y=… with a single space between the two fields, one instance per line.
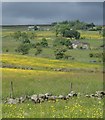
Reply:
x=43 y=12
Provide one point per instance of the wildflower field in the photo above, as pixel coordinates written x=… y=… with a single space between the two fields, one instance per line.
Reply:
x=74 y=108
x=44 y=63
x=43 y=73
x=34 y=81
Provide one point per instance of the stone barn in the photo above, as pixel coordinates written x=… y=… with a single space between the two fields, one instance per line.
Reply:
x=80 y=45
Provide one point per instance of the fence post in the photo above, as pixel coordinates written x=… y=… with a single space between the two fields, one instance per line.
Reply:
x=70 y=86
x=11 y=89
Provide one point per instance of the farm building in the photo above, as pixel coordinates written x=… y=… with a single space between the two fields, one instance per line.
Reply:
x=80 y=45
x=39 y=27
x=33 y=28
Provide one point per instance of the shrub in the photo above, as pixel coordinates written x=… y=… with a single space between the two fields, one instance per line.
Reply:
x=16 y=50
x=91 y=54
x=24 y=48
x=96 y=55
x=59 y=53
x=7 y=50
x=26 y=40
x=37 y=45
x=67 y=43
x=17 y=35
x=62 y=41
x=38 y=50
x=72 y=34
x=44 y=42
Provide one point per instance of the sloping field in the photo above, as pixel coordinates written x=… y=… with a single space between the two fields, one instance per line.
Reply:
x=43 y=63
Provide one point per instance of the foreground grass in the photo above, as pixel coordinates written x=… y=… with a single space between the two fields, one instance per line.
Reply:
x=35 y=81
x=73 y=108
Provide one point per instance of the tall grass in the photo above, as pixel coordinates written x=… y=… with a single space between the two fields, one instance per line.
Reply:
x=35 y=81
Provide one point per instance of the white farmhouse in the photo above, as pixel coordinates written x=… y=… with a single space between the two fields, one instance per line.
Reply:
x=80 y=45
x=31 y=28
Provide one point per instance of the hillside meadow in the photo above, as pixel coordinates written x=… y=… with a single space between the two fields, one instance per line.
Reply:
x=44 y=63
x=32 y=74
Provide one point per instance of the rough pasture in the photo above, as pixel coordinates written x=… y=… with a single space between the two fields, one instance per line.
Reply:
x=36 y=81
x=41 y=74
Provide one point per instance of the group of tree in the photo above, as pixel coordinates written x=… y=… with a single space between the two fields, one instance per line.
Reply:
x=26 y=44
x=66 y=31
x=23 y=48
x=60 y=53
x=44 y=42
x=104 y=32
x=23 y=35
x=60 y=41
x=35 y=27
x=40 y=45
x=71 y=34
x=76 y=24
x=38 y=50
x=24 y=39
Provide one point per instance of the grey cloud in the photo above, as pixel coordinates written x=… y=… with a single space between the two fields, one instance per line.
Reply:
x=44 y=12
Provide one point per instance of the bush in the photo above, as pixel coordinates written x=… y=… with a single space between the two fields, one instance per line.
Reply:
x=17 y=35
x=104 y=32
x=26 y=40
x=91 y=54
x=16 y=50
x=96 y=55
x=44 y=42
x=37 y=44
x=67 y=43
x=7 y=50
x=24 y=48
x=59 y=53
x=83 y=38
x=38 y=50
x=33 y=45
x=32 y=35
x=72 y=34
x=62 y=41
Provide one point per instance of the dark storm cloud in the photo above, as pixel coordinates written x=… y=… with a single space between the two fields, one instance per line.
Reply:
x=39 y=13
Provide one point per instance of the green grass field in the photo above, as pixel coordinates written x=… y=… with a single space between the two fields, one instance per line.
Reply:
x=55 y=82
x=34 y=82
x=86 y=77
